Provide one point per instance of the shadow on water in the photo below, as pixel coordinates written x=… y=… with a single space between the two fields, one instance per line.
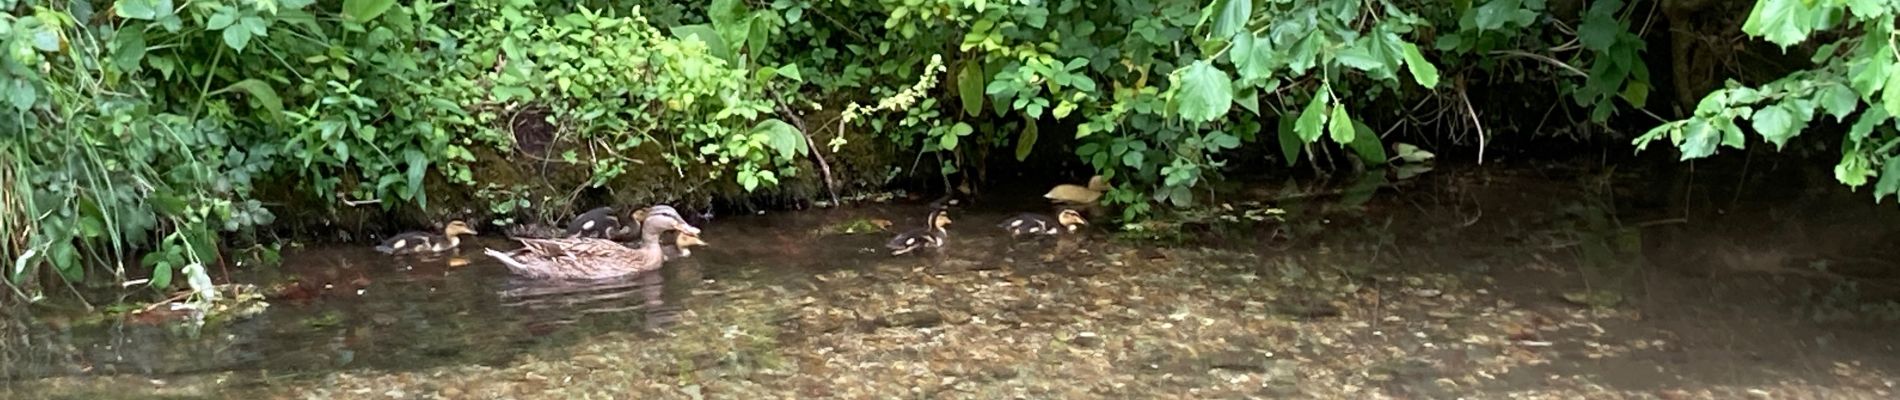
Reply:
x=1634 y=281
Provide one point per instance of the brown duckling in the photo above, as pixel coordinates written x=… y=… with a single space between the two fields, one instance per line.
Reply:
x=599 y=223
x=424 y=242
x=1037 y=224
x=932 y=236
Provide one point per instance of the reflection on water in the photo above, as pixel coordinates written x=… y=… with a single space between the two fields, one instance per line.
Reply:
x=1724 y=272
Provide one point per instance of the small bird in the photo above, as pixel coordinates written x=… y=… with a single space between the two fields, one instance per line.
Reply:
x=424 y=242
x=1037 y=224
x=599 y=223
x=932 y=236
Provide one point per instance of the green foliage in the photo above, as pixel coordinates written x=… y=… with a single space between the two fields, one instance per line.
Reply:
x=1838 y=86
x=142 y=136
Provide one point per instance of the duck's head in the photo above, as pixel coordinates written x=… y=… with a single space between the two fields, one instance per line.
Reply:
x=1071 y=217
x=656 y=223
x=458 y=228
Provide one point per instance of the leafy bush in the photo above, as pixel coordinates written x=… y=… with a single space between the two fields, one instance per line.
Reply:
x=1855 y=69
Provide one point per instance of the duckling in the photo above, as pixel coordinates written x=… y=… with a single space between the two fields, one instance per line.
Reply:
x=1038 y=224
x=602 y=223
x=683 y=244
x=1075 y=194
x=596 y=223
x=423 y=242
x=932 y=236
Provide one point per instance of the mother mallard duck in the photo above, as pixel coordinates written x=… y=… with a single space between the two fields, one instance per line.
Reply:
x=584 y=258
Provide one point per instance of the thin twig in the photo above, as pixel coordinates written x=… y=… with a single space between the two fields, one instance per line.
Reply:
x=1541 y=57
x=1466 y=96
x=823 y=166
x=356 y=203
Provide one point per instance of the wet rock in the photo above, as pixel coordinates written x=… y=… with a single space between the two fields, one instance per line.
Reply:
x=912 y=319
x=1000 y=373
x=1087 y=339
x=1308 y=310
x=1238 y=361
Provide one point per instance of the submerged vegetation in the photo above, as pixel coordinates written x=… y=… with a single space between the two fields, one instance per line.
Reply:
x=147 y=139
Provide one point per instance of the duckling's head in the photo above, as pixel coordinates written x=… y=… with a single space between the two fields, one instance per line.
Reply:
x=940 y=218
x=1099 y=183
x=458 y=228
x=687 y=240
x=1071 y=217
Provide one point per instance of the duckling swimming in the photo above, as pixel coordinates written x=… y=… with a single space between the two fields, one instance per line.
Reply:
x=424 y=242
x=1037 y=224
x=932 y=236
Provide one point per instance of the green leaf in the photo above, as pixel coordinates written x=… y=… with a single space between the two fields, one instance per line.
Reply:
x=1838 y=100
x=261 y=94
x=1412 y=154
x=161 y=275
x=221 y=20
x=755 y=44
x=790 y=71
x=143 y=9
x=1600 y=27
x=1869 y=120
x=1261 y=61
x=1889 y=180
x=1312 y=121
x=1223 y=141
x=1026 y=141
x=1133 y=159
x=1495 y=13
x=1775 y=123
x=948 y=142
x=1249 y=99
x=749 y=179
x=1206 y=93
x=1366 y=55
x=1367 y=145
x=1233 y=18
x=1868 y=74
x=418 y=168
x=1341 y=126
x=1290 y=143
x=366 y=10
x=1305 y=52
x=20 y=93
x=705 y=34
x=1868 y=9
x=783 y=137
x=1699 y=139
x=257 y=26
x=237 y=38
x=970 y=87
x=128 y=47
x=1890 y=98
x=1779 y=21
x=1423 y=71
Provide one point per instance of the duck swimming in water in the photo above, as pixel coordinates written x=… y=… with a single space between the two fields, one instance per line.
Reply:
x=591 y=258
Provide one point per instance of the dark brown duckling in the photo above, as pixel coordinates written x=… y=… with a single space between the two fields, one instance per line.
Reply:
x=932 y=236
x=424 y=242
x=1037 y=224
x=599 y=223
